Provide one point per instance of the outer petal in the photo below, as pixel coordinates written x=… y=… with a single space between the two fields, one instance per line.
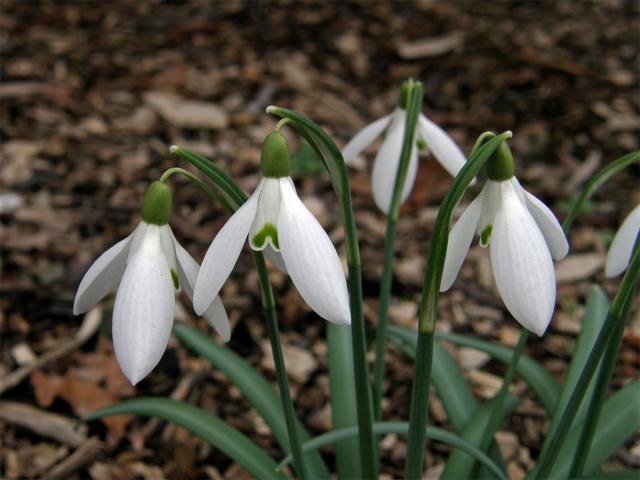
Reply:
x=460 y=239
x=443 y=148
x=385 y=167
x=622 y=246
x=187 y=274
x=103 y=275
x=522 y=264
x=311 y=259
x=547 y=223
x=223 y=253
x=144 y=309
x=364 y=138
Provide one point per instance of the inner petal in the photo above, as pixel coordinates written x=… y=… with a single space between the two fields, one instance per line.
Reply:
x=490 y=201
x=263 y=230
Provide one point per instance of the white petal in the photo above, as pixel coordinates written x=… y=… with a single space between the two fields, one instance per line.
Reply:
x=622 y=246
x=522 y=264
x=103 y=276
x=460 y=239
x=223 y=253
x=548 y=225
x=266 y=213
x=187 y=274
x=490 y=202
x=364 y=138
x=144 y=309
x=311 y=259
x=385 y=167
x=443 y=148
x=275 y=258
x=167 y=243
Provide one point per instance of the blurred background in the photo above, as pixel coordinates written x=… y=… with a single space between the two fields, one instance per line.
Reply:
x=93 y=93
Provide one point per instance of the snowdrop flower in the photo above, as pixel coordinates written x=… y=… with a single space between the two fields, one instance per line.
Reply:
x=145 y=269
x=429 y=137
x=622 y=246
x=274 y=217
x=523 y=236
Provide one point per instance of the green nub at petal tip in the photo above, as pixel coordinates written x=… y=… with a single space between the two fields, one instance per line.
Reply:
x=500 y=165
x=174 y=277
x=157 y=204
x=275 y=161
x=486 y=235
x=269 y=230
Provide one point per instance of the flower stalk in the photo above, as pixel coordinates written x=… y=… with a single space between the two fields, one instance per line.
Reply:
x=429 y=305
x=412 y=94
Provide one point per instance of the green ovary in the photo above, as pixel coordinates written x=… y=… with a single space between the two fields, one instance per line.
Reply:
x=269 y=230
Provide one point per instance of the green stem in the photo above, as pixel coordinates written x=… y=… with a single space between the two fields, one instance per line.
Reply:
x=333 y=160
x=212 y=192
x=419 y=406
x=501 y=396
x=596 y=181
x=429 y=303
x=615 y=317
x=268 y=304
x=413 y=111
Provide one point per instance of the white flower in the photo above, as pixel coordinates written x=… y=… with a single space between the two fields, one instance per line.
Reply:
x=146 y=269
x=523 y=235
x=622 y=246
x=275 y=217
x=387 y=159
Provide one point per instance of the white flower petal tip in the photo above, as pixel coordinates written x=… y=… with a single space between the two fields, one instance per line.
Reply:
x=364 y=138
x=460 y=239
x=217 y=317
x=444 y=149
x=548 y=225
x=223 y=253
x=144 y=308
x=311 y=259
x=621 y=248
x=174 y=148
x=522 y=264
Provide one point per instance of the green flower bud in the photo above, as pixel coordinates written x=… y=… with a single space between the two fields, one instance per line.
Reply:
x=500 y=165
x=275 y=161
x=157 y=204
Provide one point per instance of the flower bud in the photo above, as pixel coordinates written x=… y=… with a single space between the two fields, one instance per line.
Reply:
x=157 y=204
x=500 y=165
x=275 y=161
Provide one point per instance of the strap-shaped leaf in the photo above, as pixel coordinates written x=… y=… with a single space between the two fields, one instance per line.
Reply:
x=381 y=428
x=460 y=463
x=540 y=381
x=619 y=419
x=253 y=386
x=210 y=428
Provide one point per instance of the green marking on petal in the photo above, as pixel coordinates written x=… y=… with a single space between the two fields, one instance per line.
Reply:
x=486 y=235
x=269 y=230
x=174 y=277
x=422 y=145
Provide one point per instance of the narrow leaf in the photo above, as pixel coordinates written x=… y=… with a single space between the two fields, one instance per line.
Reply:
x=207 y=426
x=253 y=386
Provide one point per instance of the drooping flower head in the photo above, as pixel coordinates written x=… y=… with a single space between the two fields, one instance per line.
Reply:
x=275 y=220
x=523 y=236
x=622 y=245
x=146 y=269
x=429 y=137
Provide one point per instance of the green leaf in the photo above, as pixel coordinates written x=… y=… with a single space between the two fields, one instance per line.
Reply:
x=460 y=463
x=633 y=474
x=619 y=419
x=305 y=161
x=203 y=424
x=594 y=315
x=253 y=386
x=344 y=410
x=540 y=381
x=382 y=428
x=450 y=384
